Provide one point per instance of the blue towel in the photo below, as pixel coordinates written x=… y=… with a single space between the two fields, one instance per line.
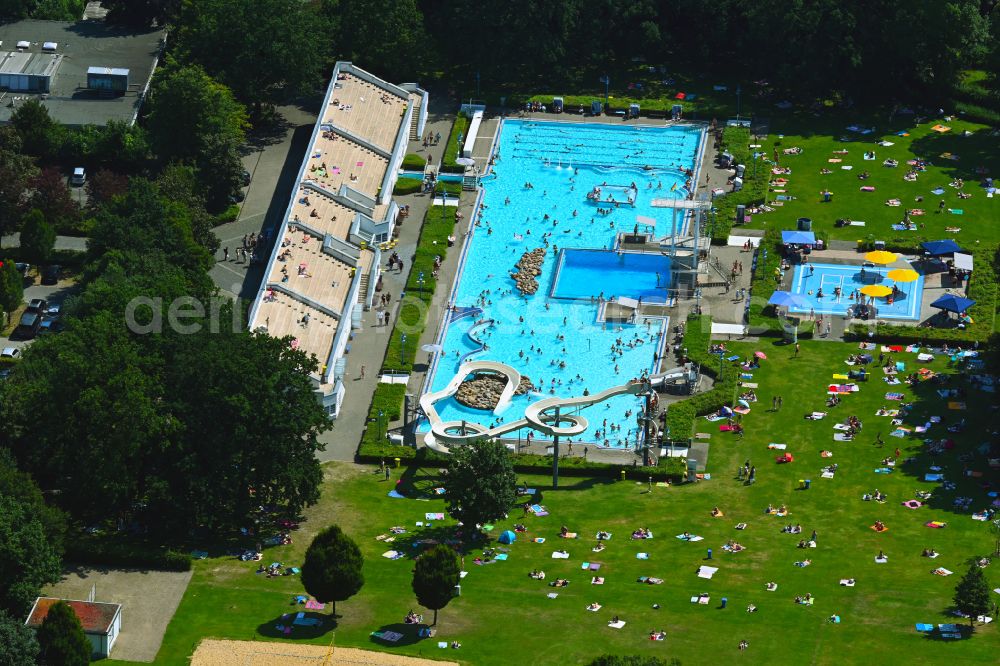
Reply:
x=395 y=495
x=734 y=357
x=924 y=627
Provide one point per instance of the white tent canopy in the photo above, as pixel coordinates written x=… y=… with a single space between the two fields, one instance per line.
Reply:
x=963 y=261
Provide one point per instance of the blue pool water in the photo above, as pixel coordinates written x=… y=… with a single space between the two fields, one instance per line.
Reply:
x=559 y=343
x=809 y=279
x=602 y=274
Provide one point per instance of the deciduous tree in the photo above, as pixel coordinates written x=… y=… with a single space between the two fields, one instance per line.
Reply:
x=11 y=286
x=480 y=485
x=435 y=576
x=27 y=559
x=332 y=568
x=17 y=642
x=264 y=50
x=38 y=238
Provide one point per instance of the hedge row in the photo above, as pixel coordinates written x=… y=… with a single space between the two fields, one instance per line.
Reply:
x=525 y=463
x=388 y=399
x=414 y=162
x=982 y=289
x=736 y=140
x=681 y=415
x=97 y=551
x=452 y=148
x=439 y=223
x=407 y=186
x=572 y=103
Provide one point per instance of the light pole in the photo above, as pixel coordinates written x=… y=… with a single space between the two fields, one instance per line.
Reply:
x=607 y=85
x=402 y=348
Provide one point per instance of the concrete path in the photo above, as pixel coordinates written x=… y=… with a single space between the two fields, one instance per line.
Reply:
x=74 y=243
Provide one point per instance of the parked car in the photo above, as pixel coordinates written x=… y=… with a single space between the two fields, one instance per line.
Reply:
x=28 y=327
x=39 y=305
x=10 y=352
x=51 y=325
x=22 y=268
x=245 y=177
x=50 y=274
x=79 y=177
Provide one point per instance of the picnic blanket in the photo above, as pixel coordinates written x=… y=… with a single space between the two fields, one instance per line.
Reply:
x=706 y=572
x=843 y=388
x=893 y=396
x=591 y=566
x=777 y=447
x=617 y=625
x=702 y=599
x=392 y=555
x=433 y=516
x=389 y=636
x=941 y=571
x=692 y=537
x=560 y=555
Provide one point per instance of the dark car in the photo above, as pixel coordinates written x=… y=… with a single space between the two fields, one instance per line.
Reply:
x=50 y=274
x=39 y=305
x=245 y=178
x=22 y=268
x=51 y=325
x=28 y=327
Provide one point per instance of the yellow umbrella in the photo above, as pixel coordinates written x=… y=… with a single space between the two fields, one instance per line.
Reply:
x=876 y=290
x=881 y=257
x=903 y=275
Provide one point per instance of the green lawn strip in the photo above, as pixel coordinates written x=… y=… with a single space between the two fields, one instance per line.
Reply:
x=819 y=138
x=439 y=223
x=501 y=606
x=452 y=149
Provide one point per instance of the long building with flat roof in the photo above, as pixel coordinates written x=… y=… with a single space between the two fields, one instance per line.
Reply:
x=326 y=260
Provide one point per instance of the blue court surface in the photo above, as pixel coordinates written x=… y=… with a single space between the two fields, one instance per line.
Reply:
x=809 y=280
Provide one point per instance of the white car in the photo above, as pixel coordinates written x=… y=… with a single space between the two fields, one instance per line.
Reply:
x=10 y=352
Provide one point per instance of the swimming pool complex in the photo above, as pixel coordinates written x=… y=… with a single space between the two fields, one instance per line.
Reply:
x=809 y=279
x=536 y=197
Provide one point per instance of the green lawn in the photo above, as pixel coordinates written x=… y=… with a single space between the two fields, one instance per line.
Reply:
x=503 y=612
x=820 y=137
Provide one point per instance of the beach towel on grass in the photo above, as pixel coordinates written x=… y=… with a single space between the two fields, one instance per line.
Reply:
x=434 y=516
x=702 y=599
x=556 y=555
x=693 y=537
x=933 y=477
x=777 y=447
x=706 y=572
x=392 y=555
x=941 y=571
x=921 y=626
x=617 y=625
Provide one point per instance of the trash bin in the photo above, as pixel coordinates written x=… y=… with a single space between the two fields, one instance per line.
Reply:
x=709 y=553
x=808 y=483
x=802 y=483
x=724 y=602
x=623 y=475
x=397 y=461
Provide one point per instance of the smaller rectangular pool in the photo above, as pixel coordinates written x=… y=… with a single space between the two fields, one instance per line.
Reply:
x=593 y=273
x=811 y=279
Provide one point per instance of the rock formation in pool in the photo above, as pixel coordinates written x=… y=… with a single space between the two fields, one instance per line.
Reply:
x=528 y=268
x=482 y=390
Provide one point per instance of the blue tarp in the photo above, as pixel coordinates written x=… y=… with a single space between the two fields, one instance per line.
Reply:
x=941 y=247
x=798 y=238
x=507 y=537
x=953 y=303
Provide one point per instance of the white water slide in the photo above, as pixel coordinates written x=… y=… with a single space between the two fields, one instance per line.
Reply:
x=539 y=416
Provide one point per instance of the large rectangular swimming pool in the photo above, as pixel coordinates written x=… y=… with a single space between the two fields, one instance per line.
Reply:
x=603 y=274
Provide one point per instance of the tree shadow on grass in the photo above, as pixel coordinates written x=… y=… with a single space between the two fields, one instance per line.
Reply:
x=324 y=623
x=410 y=634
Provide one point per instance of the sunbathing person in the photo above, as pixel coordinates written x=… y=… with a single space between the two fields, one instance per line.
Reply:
x=594 y=606
x=928 y=552
x=751 y=608
x=715 y=511
x=559 y=582
x=771 y=587
x=602 y=535
x=537 y=575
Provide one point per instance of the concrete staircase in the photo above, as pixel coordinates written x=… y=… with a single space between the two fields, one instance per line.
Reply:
x=363 y=290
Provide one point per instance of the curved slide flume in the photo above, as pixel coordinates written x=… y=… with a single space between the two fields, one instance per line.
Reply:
x=538 y=416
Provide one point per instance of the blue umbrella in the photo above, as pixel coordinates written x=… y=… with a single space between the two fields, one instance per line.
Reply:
x=953 y=303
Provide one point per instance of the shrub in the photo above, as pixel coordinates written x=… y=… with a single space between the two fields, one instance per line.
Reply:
x=736 y=140
x=407 y=186
x=103 y=551
x=452 y=148
x=697 y=340
x=228 y=215
x=414 y=162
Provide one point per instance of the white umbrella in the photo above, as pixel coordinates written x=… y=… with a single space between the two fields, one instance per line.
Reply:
x=432 y=348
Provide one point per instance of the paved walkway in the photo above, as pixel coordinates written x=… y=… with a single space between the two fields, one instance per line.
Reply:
x=74 y=243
